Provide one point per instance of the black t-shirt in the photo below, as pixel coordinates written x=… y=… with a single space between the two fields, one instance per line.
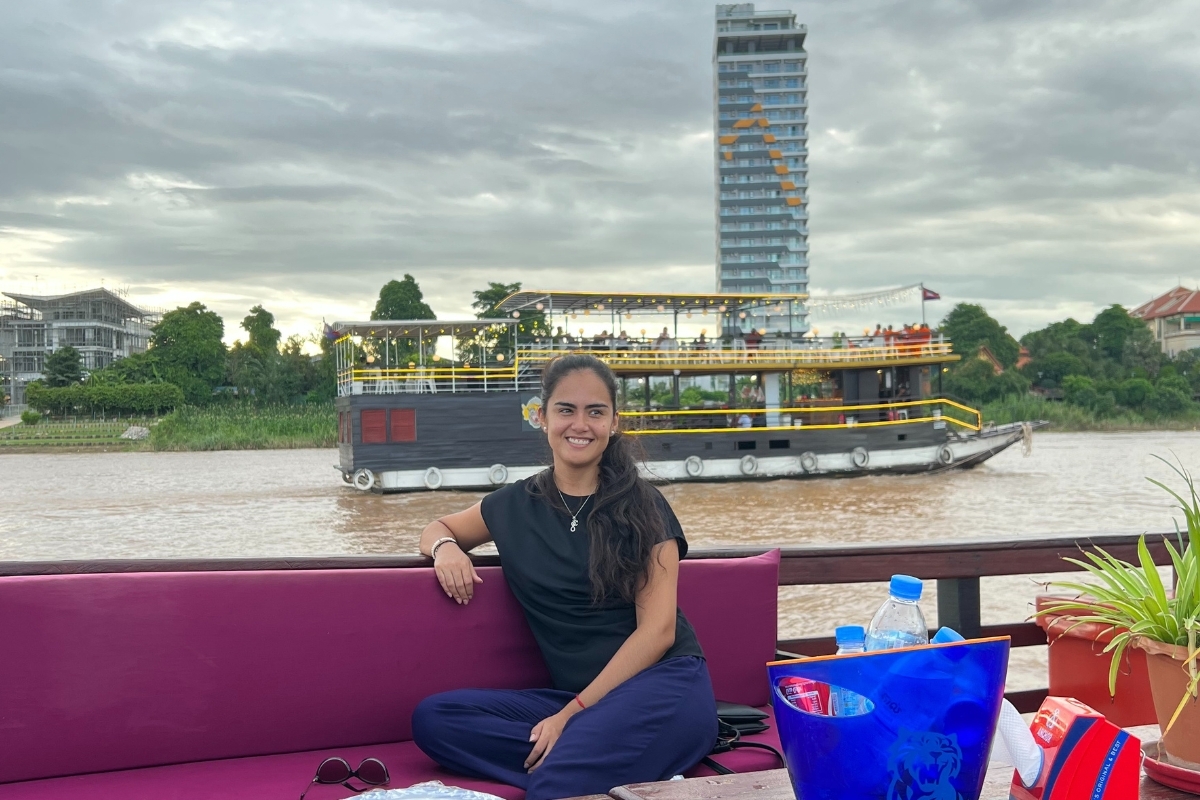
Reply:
x=546 y=567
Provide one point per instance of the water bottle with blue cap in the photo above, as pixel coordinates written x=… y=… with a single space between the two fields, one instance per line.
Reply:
x=843 y=702
x=899 y=621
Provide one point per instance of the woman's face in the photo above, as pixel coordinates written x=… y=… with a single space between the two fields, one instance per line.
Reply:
x=579 y=419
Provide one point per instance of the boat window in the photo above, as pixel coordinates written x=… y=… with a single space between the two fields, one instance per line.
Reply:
x=372 y=424
x=780 y=444
x=747 y=445
x=403 y=425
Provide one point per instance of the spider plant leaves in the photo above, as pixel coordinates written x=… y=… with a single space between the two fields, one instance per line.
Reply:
x=1158 y=592
x=1131 y=600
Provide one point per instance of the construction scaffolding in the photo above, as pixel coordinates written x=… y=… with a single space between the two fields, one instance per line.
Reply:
x=101 y=324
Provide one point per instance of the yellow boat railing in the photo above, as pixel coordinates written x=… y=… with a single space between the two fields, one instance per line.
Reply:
x=866 y=415
x=790 y=357
x=508 y=372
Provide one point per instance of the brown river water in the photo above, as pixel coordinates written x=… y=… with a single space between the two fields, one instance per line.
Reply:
x=277 y=502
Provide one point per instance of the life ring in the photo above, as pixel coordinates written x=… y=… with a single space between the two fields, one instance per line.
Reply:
x=808 y=461
x=859 y=457
x=498 y=474
x=694 y=466
x=433 y=478
x=749 y=465
x=363 y=480
x=945 y=455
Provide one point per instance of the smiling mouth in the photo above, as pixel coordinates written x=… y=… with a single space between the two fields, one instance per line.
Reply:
x=578 y=442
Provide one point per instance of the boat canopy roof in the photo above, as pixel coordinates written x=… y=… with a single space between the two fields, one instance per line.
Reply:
x=622 y=302
x=409 y=328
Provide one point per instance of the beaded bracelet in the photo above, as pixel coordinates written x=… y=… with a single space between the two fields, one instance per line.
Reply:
x=444 y=540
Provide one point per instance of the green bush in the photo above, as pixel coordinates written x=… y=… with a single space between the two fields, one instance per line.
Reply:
x=31 y=417
x=1080 y=390
x=1169 y=400
x=1135 y=392
x=133 y=398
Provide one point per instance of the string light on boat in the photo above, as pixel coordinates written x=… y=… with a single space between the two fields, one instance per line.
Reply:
x=516 y=315
x=540 y=306
x=661 y=307
x=499 y=356
x=721 y=308
x=600 y=306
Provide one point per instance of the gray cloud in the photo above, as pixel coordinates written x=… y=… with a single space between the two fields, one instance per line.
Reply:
x=1039 y=158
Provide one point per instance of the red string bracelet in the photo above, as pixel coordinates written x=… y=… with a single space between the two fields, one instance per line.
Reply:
x=581 y=705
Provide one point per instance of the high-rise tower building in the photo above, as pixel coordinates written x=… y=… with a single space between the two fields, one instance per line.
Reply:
x=760 y=90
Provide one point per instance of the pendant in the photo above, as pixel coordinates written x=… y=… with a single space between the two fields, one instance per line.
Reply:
x=574 y=524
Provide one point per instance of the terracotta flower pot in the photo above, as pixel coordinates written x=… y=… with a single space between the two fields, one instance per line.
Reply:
x=1168 y=682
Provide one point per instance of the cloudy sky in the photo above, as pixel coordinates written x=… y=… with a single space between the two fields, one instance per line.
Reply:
x=1039 y=158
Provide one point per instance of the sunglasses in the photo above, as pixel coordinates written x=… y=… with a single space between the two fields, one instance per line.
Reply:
x=336 y=770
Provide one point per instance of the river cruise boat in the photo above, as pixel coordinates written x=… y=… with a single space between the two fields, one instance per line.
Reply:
x=432 y=404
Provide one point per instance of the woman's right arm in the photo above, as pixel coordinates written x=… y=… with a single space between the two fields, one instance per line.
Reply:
x=454 y=569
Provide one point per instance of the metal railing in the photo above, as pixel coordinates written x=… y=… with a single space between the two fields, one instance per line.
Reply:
x=807 y=417
x=632 y=354
x=642 y=355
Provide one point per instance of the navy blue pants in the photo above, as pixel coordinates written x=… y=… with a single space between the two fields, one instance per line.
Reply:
x=658 y=723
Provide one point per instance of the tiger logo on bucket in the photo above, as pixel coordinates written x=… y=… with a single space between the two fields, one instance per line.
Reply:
x=922 y=765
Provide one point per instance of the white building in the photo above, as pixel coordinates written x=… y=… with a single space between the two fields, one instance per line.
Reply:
x=1174 y=318
x=102 y=325
x=761 y=121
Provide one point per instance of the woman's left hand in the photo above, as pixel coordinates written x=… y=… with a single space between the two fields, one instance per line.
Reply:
x=544 y=736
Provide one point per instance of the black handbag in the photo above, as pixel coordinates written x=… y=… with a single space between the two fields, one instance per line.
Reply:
x=733 y=722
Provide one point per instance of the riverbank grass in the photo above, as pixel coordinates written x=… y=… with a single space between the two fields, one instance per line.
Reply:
x=72 y=434
x=1068 y=417
x=246 y=427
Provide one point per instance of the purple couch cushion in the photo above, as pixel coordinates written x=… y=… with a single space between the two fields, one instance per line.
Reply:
x=119 y=671
x=259 y=778
x=733 y=605
x=285 y=775
x=122 y=671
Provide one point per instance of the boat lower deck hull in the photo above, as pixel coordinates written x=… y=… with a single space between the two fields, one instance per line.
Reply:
x=485 y=442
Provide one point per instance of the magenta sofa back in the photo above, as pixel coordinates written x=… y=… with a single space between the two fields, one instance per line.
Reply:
x=117 y=671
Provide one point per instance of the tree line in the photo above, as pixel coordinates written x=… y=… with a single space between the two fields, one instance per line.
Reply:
x=1109 y=365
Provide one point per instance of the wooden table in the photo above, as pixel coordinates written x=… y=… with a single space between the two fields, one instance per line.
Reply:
x=775 y=785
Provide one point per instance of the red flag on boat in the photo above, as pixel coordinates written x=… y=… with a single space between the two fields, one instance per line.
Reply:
x=929 y=294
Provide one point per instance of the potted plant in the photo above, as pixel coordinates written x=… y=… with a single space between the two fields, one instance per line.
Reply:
x=1132 y=600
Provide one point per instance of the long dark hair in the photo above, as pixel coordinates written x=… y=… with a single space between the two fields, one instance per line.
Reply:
x=626 y=522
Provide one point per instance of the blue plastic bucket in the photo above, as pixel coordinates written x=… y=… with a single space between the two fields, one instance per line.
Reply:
x=930 y=716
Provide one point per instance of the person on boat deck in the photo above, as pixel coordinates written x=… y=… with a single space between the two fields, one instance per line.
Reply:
x=591 y=552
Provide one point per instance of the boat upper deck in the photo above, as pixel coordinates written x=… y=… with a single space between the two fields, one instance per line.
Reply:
x=697 y=356
x=507 y=354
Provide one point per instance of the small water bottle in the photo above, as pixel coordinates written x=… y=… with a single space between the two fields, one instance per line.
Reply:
x=843 y=702
x=899 y=621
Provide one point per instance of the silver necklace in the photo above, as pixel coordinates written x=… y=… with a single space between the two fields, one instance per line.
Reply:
x=575 y=516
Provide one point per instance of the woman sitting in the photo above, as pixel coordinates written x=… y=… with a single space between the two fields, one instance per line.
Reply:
x=591 y=552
